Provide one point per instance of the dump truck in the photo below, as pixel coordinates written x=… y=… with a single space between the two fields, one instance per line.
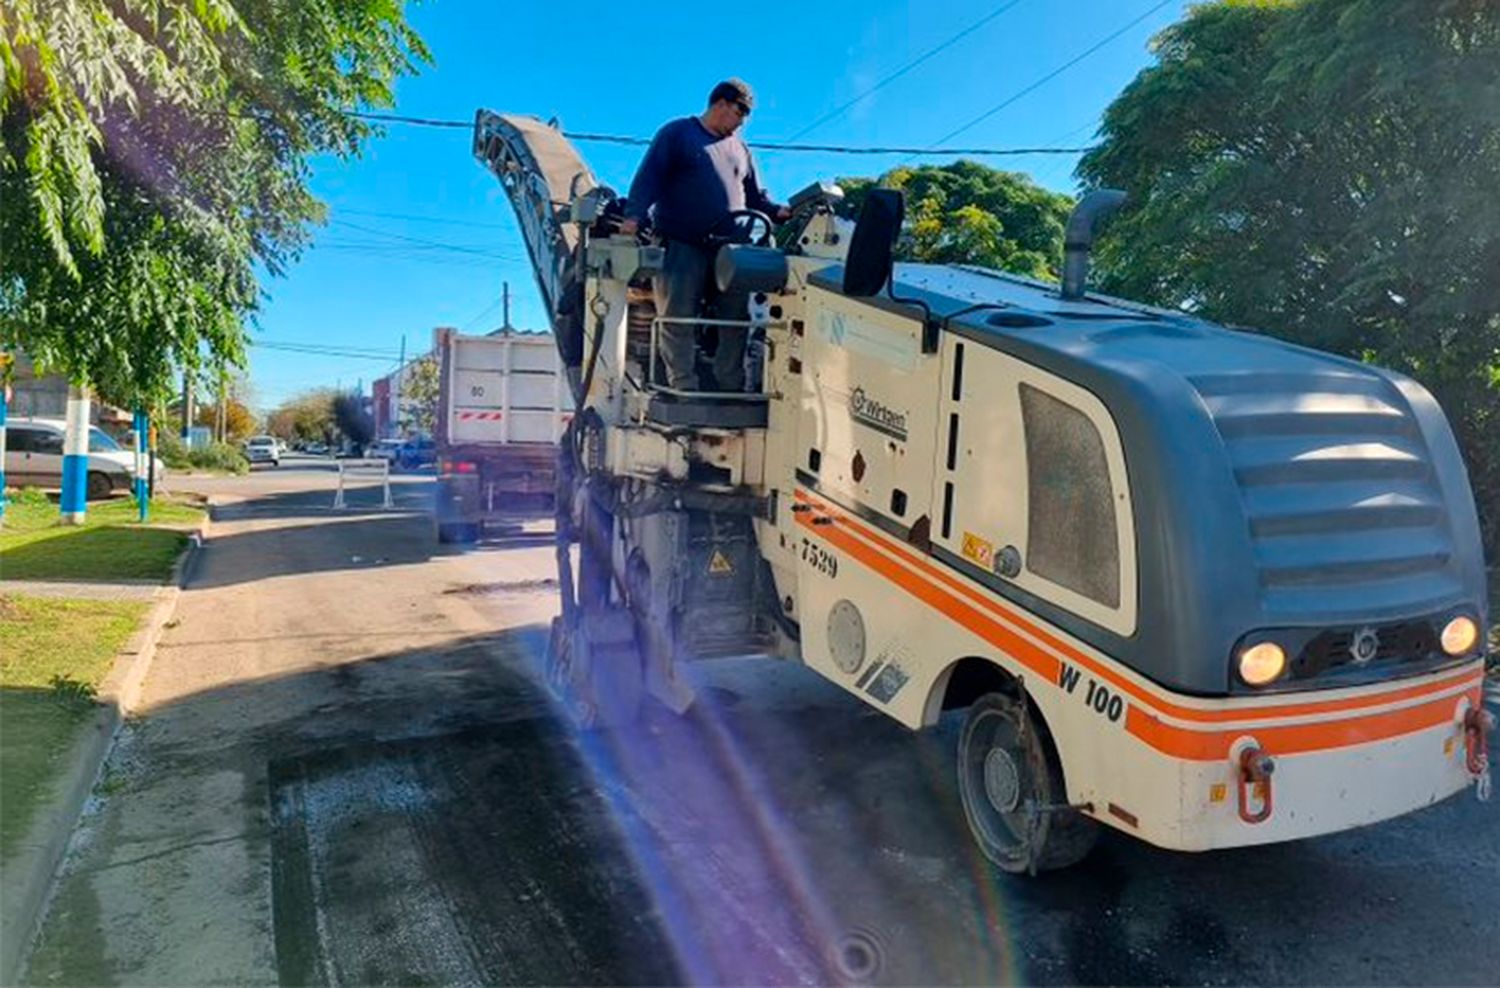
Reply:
x=503 y=404
x=1196 y=584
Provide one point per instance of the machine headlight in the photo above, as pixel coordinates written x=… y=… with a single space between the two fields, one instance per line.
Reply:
x=1262 y=663
x=1460 y=635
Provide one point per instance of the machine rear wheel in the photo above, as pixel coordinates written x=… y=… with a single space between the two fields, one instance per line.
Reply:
x=1012 y=790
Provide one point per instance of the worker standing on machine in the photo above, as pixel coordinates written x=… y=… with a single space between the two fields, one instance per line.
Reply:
x=696 y=176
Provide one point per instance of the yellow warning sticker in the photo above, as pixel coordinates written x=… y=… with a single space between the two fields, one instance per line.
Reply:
x=979 y=551
x=719 y=565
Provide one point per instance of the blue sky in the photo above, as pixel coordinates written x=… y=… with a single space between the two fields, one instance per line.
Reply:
x=420 y=235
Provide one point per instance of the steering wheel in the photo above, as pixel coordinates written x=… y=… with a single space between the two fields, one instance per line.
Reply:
x=748 y=220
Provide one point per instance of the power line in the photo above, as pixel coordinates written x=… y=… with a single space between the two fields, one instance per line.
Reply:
x=903 y=70
x=372 y=351
x=422 y=240
x=1093 y=124
x=324 y=351
x=448 y=262
x=416 y=218
x=414 y=121
x=414 y=250
x=1047 y=78
x=486 y=311
x=417 y=252
x=975 y=152
x=785 y=146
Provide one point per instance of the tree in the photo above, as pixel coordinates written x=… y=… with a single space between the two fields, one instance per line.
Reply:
x=1326 y=170
x=239 y=421
x=307 y=417
x=968 y=213
x=352 y=418
x=153 y=153
x=420 y=387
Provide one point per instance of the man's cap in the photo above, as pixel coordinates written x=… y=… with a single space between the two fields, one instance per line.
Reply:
x=735 y=90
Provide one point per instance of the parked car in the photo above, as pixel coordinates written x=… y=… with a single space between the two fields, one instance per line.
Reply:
x=315 y=449
x=34 y=457
x=383 y=449
x=263 y=449
x=416 y=453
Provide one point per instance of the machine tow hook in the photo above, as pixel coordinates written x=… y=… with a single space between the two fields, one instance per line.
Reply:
x=1254 y=777
x=1478 y=723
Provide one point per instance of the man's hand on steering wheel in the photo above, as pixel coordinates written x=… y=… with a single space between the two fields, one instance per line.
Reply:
x=755 y=226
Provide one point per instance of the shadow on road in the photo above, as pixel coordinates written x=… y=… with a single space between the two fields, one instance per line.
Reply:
x=412 y=495
x=337 y=542
x=434 y=820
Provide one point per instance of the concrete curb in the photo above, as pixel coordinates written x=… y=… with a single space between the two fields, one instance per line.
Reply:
x=31 y=875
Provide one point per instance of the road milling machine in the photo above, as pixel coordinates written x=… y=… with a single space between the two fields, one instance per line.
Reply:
x=1196 y=584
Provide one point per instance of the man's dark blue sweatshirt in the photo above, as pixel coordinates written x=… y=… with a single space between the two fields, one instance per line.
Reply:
x=691 y=179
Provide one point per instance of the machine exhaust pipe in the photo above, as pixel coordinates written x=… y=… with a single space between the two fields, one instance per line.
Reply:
x=1078 y=237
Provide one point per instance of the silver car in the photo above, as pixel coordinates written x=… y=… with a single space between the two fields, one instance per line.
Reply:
x=34 y=457
x=263 y=449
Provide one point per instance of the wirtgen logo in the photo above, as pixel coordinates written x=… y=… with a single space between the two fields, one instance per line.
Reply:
x=878 y=416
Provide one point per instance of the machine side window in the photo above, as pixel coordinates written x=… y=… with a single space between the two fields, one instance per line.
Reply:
x=1072 y=539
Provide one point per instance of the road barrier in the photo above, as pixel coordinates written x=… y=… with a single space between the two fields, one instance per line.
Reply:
x=378 y=468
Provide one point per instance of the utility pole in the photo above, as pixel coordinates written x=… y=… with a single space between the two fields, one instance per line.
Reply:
x=187 y=405
x=221 y=430
x=505 y=302
x=4 y=406
x=143 y=464
x=75 y=478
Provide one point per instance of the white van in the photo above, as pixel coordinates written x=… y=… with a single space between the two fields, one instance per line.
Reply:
x=34 y=457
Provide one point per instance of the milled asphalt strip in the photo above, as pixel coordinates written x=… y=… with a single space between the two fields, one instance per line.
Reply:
x=30 y=877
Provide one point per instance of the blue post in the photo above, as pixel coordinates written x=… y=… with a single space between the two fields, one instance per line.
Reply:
x=75 y=479
x=142 y=466
x=4 y=402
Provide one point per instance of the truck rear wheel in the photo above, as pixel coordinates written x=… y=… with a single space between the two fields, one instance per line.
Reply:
x=1011 y=785
x=459 y=532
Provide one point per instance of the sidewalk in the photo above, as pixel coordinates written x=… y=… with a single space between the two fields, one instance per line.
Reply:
x=91 y=590
x=300 y=630
x=32 y=865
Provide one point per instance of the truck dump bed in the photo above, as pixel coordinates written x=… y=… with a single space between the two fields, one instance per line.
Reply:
x=504 y=403
x=505 y=388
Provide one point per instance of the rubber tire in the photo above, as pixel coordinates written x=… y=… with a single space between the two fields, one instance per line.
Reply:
x=97 y=487
x=1064 y=837
x=461 y=533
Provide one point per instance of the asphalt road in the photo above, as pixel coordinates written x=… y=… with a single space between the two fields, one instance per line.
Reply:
x=348 y=774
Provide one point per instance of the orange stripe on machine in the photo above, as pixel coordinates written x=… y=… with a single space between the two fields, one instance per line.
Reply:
x=1037 y=649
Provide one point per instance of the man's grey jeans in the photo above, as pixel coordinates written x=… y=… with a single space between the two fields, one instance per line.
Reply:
x=682 y=288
